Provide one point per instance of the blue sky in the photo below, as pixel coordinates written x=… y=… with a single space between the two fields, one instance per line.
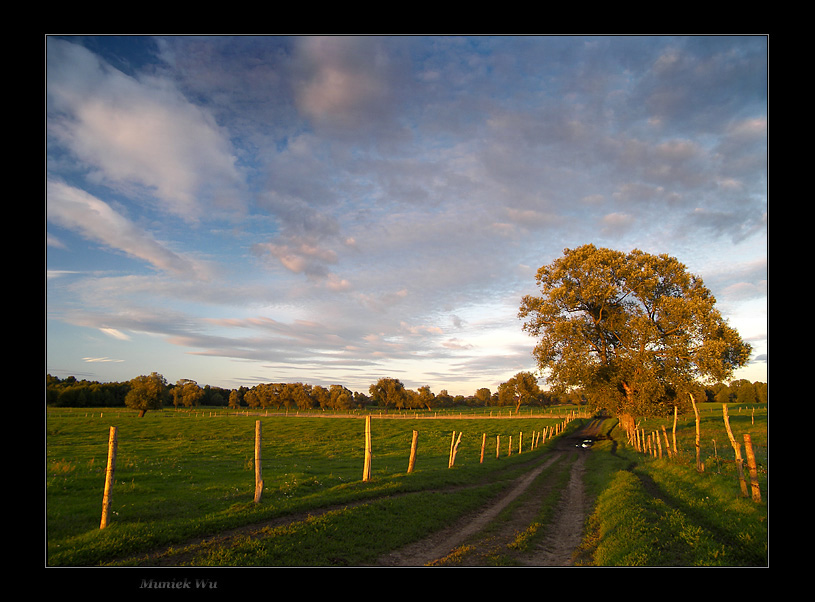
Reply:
x=333 y=210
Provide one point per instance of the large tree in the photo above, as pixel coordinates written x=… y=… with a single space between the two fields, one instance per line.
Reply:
x=636 y=332
x=389 y=392
x=425 y=397
x=187 y=393
x=521 y=388
x=341 y=398
x=147 y=393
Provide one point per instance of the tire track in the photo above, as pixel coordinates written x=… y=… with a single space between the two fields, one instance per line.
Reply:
x=441 y=544
x=564 y=532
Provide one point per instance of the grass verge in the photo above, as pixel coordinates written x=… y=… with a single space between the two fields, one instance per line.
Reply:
x=660 y=512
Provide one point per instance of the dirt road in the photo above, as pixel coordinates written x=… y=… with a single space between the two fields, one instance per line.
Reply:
x=474 y=540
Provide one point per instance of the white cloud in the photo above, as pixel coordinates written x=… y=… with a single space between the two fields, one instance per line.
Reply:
x=116 y=334
x=344 y=84
x=98 y=222
x=139 y=135
x=615 y=223
x=300 y=257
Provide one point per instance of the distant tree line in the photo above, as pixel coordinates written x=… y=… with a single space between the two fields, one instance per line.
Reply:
x=738 y=391
x=73 y=393
x=296 y=396
x=153 y=392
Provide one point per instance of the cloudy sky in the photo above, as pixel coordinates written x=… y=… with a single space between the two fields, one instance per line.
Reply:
x=237 y=210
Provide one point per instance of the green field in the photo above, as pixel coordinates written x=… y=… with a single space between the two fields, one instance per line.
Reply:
x=183 y=475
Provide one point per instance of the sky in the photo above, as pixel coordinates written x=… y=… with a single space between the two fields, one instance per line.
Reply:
x=335 y=210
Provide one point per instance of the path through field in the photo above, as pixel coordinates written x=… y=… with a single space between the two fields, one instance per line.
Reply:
x=474 y=540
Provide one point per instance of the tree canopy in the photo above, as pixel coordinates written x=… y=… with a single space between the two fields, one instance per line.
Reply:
x=389 y=392
x=635 y=331
x=147 y=393
x=187 y=393
x=521 y=388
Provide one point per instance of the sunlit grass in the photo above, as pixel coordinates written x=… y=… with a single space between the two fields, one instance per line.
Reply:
x=662 y=512
x=179 y=476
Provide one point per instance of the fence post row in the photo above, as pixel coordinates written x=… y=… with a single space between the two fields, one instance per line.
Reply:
x=366 y=474
x=645 y=444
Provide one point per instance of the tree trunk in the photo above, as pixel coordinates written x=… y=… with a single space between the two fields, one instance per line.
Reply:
x=629 y=394
x=628 y=424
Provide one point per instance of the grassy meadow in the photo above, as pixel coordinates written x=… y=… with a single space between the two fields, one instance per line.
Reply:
x=182 y=475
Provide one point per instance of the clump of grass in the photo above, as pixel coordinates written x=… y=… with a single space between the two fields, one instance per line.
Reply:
x=61 y=467
x=454 y=558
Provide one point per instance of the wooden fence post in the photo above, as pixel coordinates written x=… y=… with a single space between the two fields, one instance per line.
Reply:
x=413 y=445
x=109 y=474
x=454 y=449
x=751 y=464
x=737 y=449
x=483 y=445
x=676 y=412
x=667 y=443
x=716 y=456
x=258 y=468
x=699 y=466
x=366 y=470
